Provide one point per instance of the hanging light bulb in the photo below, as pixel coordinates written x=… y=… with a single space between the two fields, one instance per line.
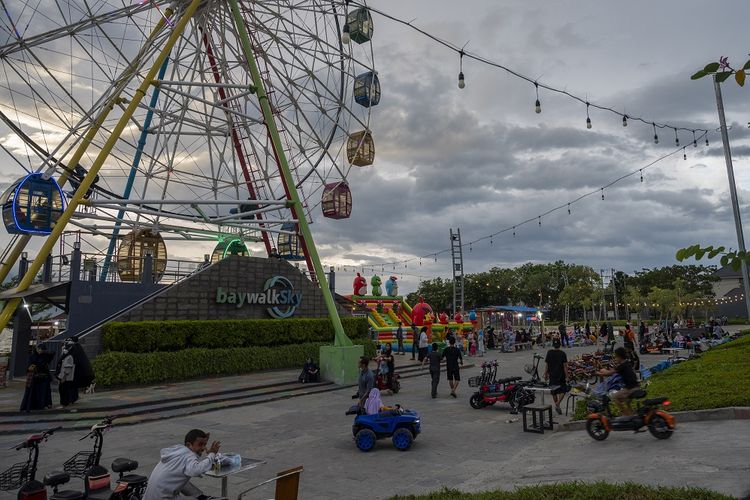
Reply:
x=588 y=119
x=537 y=105
x=684 y=154
x=461 y=80
x=540 y=221
x=568 y=208
x=514 y=231
x=695 y=142
x=656 y=136
x=624 y=120
x=676 y=139
x=641 y=175
x=345 y=38
x=602 y=193
x=706 y=140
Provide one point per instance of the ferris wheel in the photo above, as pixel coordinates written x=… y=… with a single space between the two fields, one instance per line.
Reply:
x=149 y=116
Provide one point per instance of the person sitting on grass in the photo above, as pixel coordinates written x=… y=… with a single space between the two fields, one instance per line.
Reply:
x=625 y=370
x=178 y=464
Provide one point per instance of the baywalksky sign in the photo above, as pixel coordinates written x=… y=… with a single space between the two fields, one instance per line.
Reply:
x=278 y=294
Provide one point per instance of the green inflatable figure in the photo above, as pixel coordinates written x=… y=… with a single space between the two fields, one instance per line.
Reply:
x=375 y=282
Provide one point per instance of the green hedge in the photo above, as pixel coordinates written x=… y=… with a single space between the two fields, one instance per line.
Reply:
x=127 y=368
x=150 y=336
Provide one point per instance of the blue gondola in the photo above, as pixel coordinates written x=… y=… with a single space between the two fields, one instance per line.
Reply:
x=360 y=25
x=289 y=246
x=32 y=205
x=229 y=247
x=367 y=89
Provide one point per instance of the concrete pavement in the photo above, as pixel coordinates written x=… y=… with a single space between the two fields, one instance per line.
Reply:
x=460 y=447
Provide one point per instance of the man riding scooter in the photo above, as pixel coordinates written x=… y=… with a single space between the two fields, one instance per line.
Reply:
x=625 y=370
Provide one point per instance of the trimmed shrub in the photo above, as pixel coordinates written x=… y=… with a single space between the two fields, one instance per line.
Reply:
x=127 y=368
x=150 y=336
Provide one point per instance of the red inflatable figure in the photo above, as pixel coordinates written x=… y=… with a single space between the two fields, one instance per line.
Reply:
x=420 y=312
x=458 y=318
x=360 y=285
x=443 y=318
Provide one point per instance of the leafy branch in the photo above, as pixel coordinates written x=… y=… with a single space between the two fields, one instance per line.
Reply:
x=723 y=71
x=733 y=258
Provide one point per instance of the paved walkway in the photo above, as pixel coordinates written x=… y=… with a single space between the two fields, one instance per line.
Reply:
x=459 y=447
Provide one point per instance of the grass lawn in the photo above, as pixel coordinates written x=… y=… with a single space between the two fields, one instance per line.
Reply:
x=719 y=378
x=576 y=491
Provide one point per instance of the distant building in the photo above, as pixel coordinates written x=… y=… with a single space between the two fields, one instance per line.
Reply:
x=729 y=287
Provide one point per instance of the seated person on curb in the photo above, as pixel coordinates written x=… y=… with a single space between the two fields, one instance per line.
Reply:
x=170 y=478
x=625 y=370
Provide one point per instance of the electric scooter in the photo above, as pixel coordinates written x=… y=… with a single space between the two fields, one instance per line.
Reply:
x=506 y=390
x=96 y=479
x=23 y=474
x=649 y=413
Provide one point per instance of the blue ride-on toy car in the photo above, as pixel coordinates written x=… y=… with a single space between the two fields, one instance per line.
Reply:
x=402 y=426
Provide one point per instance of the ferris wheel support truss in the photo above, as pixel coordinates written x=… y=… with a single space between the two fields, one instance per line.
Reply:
x=297 y=209
x=87 y=139
x=88 y=180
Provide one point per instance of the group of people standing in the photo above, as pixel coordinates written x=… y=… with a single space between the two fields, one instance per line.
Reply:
x=73 y=372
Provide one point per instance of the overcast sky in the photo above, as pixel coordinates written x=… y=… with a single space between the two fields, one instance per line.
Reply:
x=480 y=159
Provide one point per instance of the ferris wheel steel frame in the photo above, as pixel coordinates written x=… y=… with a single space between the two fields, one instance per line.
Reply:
x=88 y=180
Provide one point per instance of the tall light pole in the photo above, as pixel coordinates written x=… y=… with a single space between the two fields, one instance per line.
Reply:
x=732 y=191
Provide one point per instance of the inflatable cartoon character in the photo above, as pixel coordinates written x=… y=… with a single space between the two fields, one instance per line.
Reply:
x=443 y=318
x=375 y=282
x=360 y=285
x=458 y=318
x=421 y=312
x=391 y=287
x=473 y=317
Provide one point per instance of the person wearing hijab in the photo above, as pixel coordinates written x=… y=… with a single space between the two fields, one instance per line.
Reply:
x=66 y=369
x=38 y=393
x=373 y=403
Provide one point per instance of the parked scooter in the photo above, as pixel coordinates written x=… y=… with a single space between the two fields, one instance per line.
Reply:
x=85 y=464
x=506 y=390
x=23 y=474
x=649 y=413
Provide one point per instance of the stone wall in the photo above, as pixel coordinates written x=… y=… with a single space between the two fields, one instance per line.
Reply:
x=195 y=297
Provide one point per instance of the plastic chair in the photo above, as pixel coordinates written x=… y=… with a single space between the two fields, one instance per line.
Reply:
x=287 y=484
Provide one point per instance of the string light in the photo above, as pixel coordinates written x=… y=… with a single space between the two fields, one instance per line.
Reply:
x=624 y=120
x=588 y=118
x=567 y=205
x=537 y=105
x=676 y=139
x=706 y=140
x=656 y=136
x=461 y=80
x=684 y=154
x=695 y=142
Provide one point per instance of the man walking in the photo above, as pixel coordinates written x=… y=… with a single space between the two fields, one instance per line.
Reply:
x=564 y=334
x=414 y=341
x=452 y=358
x=434 y=358
x=400 y=338
x=365 y=382
x=557 y=373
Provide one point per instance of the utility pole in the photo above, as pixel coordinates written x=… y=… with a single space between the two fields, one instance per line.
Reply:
x=733 y=191
x=604 y=296
x=614 y=290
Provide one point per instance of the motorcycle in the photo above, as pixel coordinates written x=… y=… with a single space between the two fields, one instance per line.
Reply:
x=649 y=413
x=23 y=474
x=96 y=478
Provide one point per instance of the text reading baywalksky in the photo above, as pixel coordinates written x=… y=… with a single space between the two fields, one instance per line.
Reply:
x=268 y=297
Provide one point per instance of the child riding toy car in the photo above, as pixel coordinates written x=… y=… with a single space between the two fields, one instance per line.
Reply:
x=401 y=425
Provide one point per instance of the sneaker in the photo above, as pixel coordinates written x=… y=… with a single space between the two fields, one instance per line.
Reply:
x=558 y=410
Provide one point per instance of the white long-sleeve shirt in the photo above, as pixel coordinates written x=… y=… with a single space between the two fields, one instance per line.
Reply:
x=170 y=476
